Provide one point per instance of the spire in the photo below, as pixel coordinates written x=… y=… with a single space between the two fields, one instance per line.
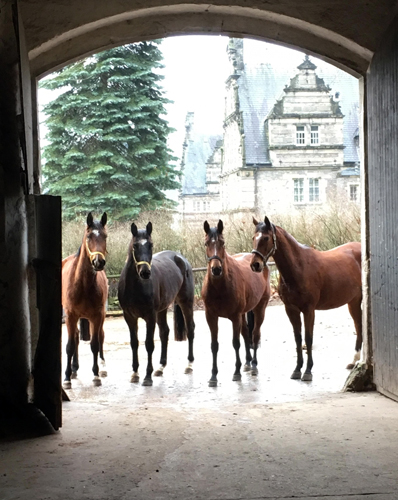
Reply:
x=235 y=54
x=307 y=64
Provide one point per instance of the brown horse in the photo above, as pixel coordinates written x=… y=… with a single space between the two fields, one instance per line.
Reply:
x=84 y=294
x=308 y=280
x=230 y=290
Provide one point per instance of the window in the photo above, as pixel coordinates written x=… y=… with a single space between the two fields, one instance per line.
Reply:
x=300 y=134
x=354 y=192
x=206 y=206
x=314 y=134
x=298 y=190
x=314 y=190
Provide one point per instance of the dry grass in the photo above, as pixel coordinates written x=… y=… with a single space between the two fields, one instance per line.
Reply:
x=321 y=228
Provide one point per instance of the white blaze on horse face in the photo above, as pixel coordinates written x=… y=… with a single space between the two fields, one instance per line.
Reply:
x=143 y=242
x=96 y=232
x=258 y=237
x=215 y=246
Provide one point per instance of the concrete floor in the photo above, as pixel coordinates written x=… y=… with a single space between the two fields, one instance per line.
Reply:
x=267 y=437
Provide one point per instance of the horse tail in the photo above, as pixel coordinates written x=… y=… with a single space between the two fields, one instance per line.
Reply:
x=84 y=329
x=250 y=325
x=180 y=331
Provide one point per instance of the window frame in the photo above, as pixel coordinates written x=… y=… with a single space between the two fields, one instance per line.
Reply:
x=300 y=135
x=313 y=190
x=298 y=191
x=314 y=135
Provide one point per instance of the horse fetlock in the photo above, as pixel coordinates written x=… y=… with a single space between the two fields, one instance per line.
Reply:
x=296 y=375
x=254 y=370
x=237 y=377
x=246 y=367
x=307 y=377
x=73 y=375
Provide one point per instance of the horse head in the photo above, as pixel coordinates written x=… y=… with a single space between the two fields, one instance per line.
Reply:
x=264 y=244
x=215 y=247
x=95 y=238
x=141 y=250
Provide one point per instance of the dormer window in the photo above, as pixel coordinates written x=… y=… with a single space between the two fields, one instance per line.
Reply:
x=314 y=134
x=300 y=135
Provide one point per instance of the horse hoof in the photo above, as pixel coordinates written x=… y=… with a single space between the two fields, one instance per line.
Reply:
x=296 y=375
x=246 y=367
x=67 y=384
x=97 y=381
x=212 y=383
x=254 y=372
x=188 y=369
x=307 y=377
x=237 y=377
x=158 y=373
x=147 y=382
x=350 y=366
x=134 y=378
x=103 y=373
x=73 y=375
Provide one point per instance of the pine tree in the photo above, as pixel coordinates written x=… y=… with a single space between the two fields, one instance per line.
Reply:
x=107 y=135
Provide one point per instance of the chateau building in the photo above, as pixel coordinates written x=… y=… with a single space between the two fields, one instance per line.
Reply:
x=287 y=143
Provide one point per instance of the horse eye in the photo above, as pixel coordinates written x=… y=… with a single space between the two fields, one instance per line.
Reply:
x=266 y=238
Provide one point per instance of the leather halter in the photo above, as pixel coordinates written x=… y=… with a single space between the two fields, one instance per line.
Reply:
x=214 y=257
x=93 y=254
x=273 y=249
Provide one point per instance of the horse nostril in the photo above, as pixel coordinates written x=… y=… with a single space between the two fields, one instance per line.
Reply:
x=145 y=274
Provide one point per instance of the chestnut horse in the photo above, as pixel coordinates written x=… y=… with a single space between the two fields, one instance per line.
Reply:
x=148 y=285
x=84 y=294
x=308 y=280
x=230 y=290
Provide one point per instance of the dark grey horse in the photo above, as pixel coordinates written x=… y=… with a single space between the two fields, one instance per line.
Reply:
x=148 y=285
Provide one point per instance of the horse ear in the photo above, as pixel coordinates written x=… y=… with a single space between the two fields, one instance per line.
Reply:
x=149 y=228
x=206 y=227
x=255 y=221
x=220 y=226
x=267 y=222
x=90 y=219
x=134 y=230
x=104 y=218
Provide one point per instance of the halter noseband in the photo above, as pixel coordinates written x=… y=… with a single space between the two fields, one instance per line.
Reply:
x=214 y=257
x=93 y=254
x=273 y=249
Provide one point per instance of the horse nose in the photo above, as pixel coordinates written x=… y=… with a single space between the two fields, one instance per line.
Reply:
x=145 y=274
x=98 y=263
x=256 y=267
x=216 y=271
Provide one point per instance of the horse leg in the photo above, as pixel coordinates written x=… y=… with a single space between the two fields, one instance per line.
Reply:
x=164 y=331
x=294 y=316
x=96 y=331
x=246 y=338
x=237 y=327
x=132 y=323
x=103 y=372
x=355 y=310
x=212 y=321
x=187 y=311
x=75 y=357
x=309 y=318
x=150 y=346
x=259 y=313
x=73 y=334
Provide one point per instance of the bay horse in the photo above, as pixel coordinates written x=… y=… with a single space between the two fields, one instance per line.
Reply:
x=231 y=290
x=84 y=295
x=310 y=280
x=148 y=285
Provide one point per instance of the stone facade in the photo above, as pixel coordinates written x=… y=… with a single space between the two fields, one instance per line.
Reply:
x=278 y=153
